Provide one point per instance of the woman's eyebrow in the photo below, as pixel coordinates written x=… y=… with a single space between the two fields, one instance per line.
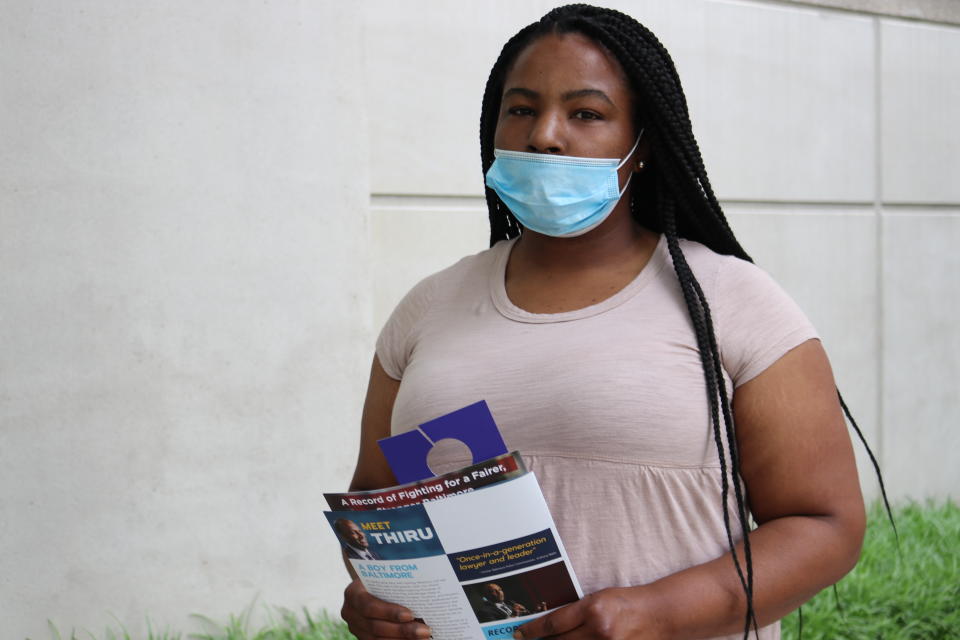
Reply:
x=568 y=95
x=522 y=91
x=581 y=93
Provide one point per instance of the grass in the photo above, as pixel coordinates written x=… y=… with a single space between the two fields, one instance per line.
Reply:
x=120 y=633
x=908 y=594
x=282 y=624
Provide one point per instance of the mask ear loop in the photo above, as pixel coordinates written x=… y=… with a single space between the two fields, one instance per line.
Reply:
x=624 y=161
x=630 y=153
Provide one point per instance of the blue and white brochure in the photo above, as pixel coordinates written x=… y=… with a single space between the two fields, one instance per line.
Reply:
x=472 y=566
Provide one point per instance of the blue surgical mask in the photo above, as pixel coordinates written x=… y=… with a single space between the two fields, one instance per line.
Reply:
x=560 y=196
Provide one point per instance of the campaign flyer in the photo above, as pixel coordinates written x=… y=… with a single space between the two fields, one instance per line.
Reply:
x=474 y=565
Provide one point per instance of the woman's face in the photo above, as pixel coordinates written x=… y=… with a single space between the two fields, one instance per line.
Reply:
x=565 y=95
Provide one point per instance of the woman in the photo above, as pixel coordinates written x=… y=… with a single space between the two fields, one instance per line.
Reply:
x=614 y=296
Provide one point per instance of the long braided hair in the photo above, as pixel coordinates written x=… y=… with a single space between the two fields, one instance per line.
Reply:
x=673 y=196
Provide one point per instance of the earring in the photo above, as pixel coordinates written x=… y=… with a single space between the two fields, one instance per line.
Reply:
x=640 y=166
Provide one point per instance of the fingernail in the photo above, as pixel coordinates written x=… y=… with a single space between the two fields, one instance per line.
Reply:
x=518 y=634
x=424 y=632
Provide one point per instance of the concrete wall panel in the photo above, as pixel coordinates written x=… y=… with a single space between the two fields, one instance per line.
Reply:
x=414 y=237
x=921 y=299
x=920 y=103
x=783 y=107
x=184 y=318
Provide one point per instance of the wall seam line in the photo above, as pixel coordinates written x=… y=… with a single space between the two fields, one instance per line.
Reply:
x=878 y=235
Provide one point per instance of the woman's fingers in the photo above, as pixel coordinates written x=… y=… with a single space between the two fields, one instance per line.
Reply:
x=365 y=628
x=370 y=628
x=370 y=606
x=369 y=617
x=610 y=614
x=560 y=621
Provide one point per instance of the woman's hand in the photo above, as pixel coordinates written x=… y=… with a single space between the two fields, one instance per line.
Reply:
x=369 y=617
x=610 y=614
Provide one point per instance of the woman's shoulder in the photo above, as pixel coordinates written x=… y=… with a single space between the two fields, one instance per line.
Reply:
x=468 y=274
x=427 y=299
x=470 y=270
x=755 y=319
x=701 y=257
x=725 y=278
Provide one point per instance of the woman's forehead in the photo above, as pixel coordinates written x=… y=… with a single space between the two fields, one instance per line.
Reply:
x=569 y=61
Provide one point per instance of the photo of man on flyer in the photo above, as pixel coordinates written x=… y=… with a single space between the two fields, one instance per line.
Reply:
x=354 y=540
x=495 y=605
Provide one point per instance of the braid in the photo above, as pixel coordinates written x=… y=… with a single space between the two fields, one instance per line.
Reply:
x=672 y=195
x=716 y=389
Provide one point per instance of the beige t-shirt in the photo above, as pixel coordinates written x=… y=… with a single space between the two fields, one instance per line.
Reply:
x=606 y=404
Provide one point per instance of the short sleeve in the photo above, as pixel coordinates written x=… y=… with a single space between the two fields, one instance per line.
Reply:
x=755 y=320
x=396 y=339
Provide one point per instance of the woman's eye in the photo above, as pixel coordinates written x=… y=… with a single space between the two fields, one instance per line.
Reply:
x=587 y=115
x=520 y=111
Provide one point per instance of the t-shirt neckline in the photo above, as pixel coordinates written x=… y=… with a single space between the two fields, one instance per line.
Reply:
x=498 y=290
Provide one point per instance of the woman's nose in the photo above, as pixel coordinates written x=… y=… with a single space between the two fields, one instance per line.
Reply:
x=546 y=136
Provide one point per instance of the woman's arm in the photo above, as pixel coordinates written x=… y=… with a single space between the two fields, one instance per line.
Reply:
x=372 y=471
x=369 y=617
x=797 y=463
